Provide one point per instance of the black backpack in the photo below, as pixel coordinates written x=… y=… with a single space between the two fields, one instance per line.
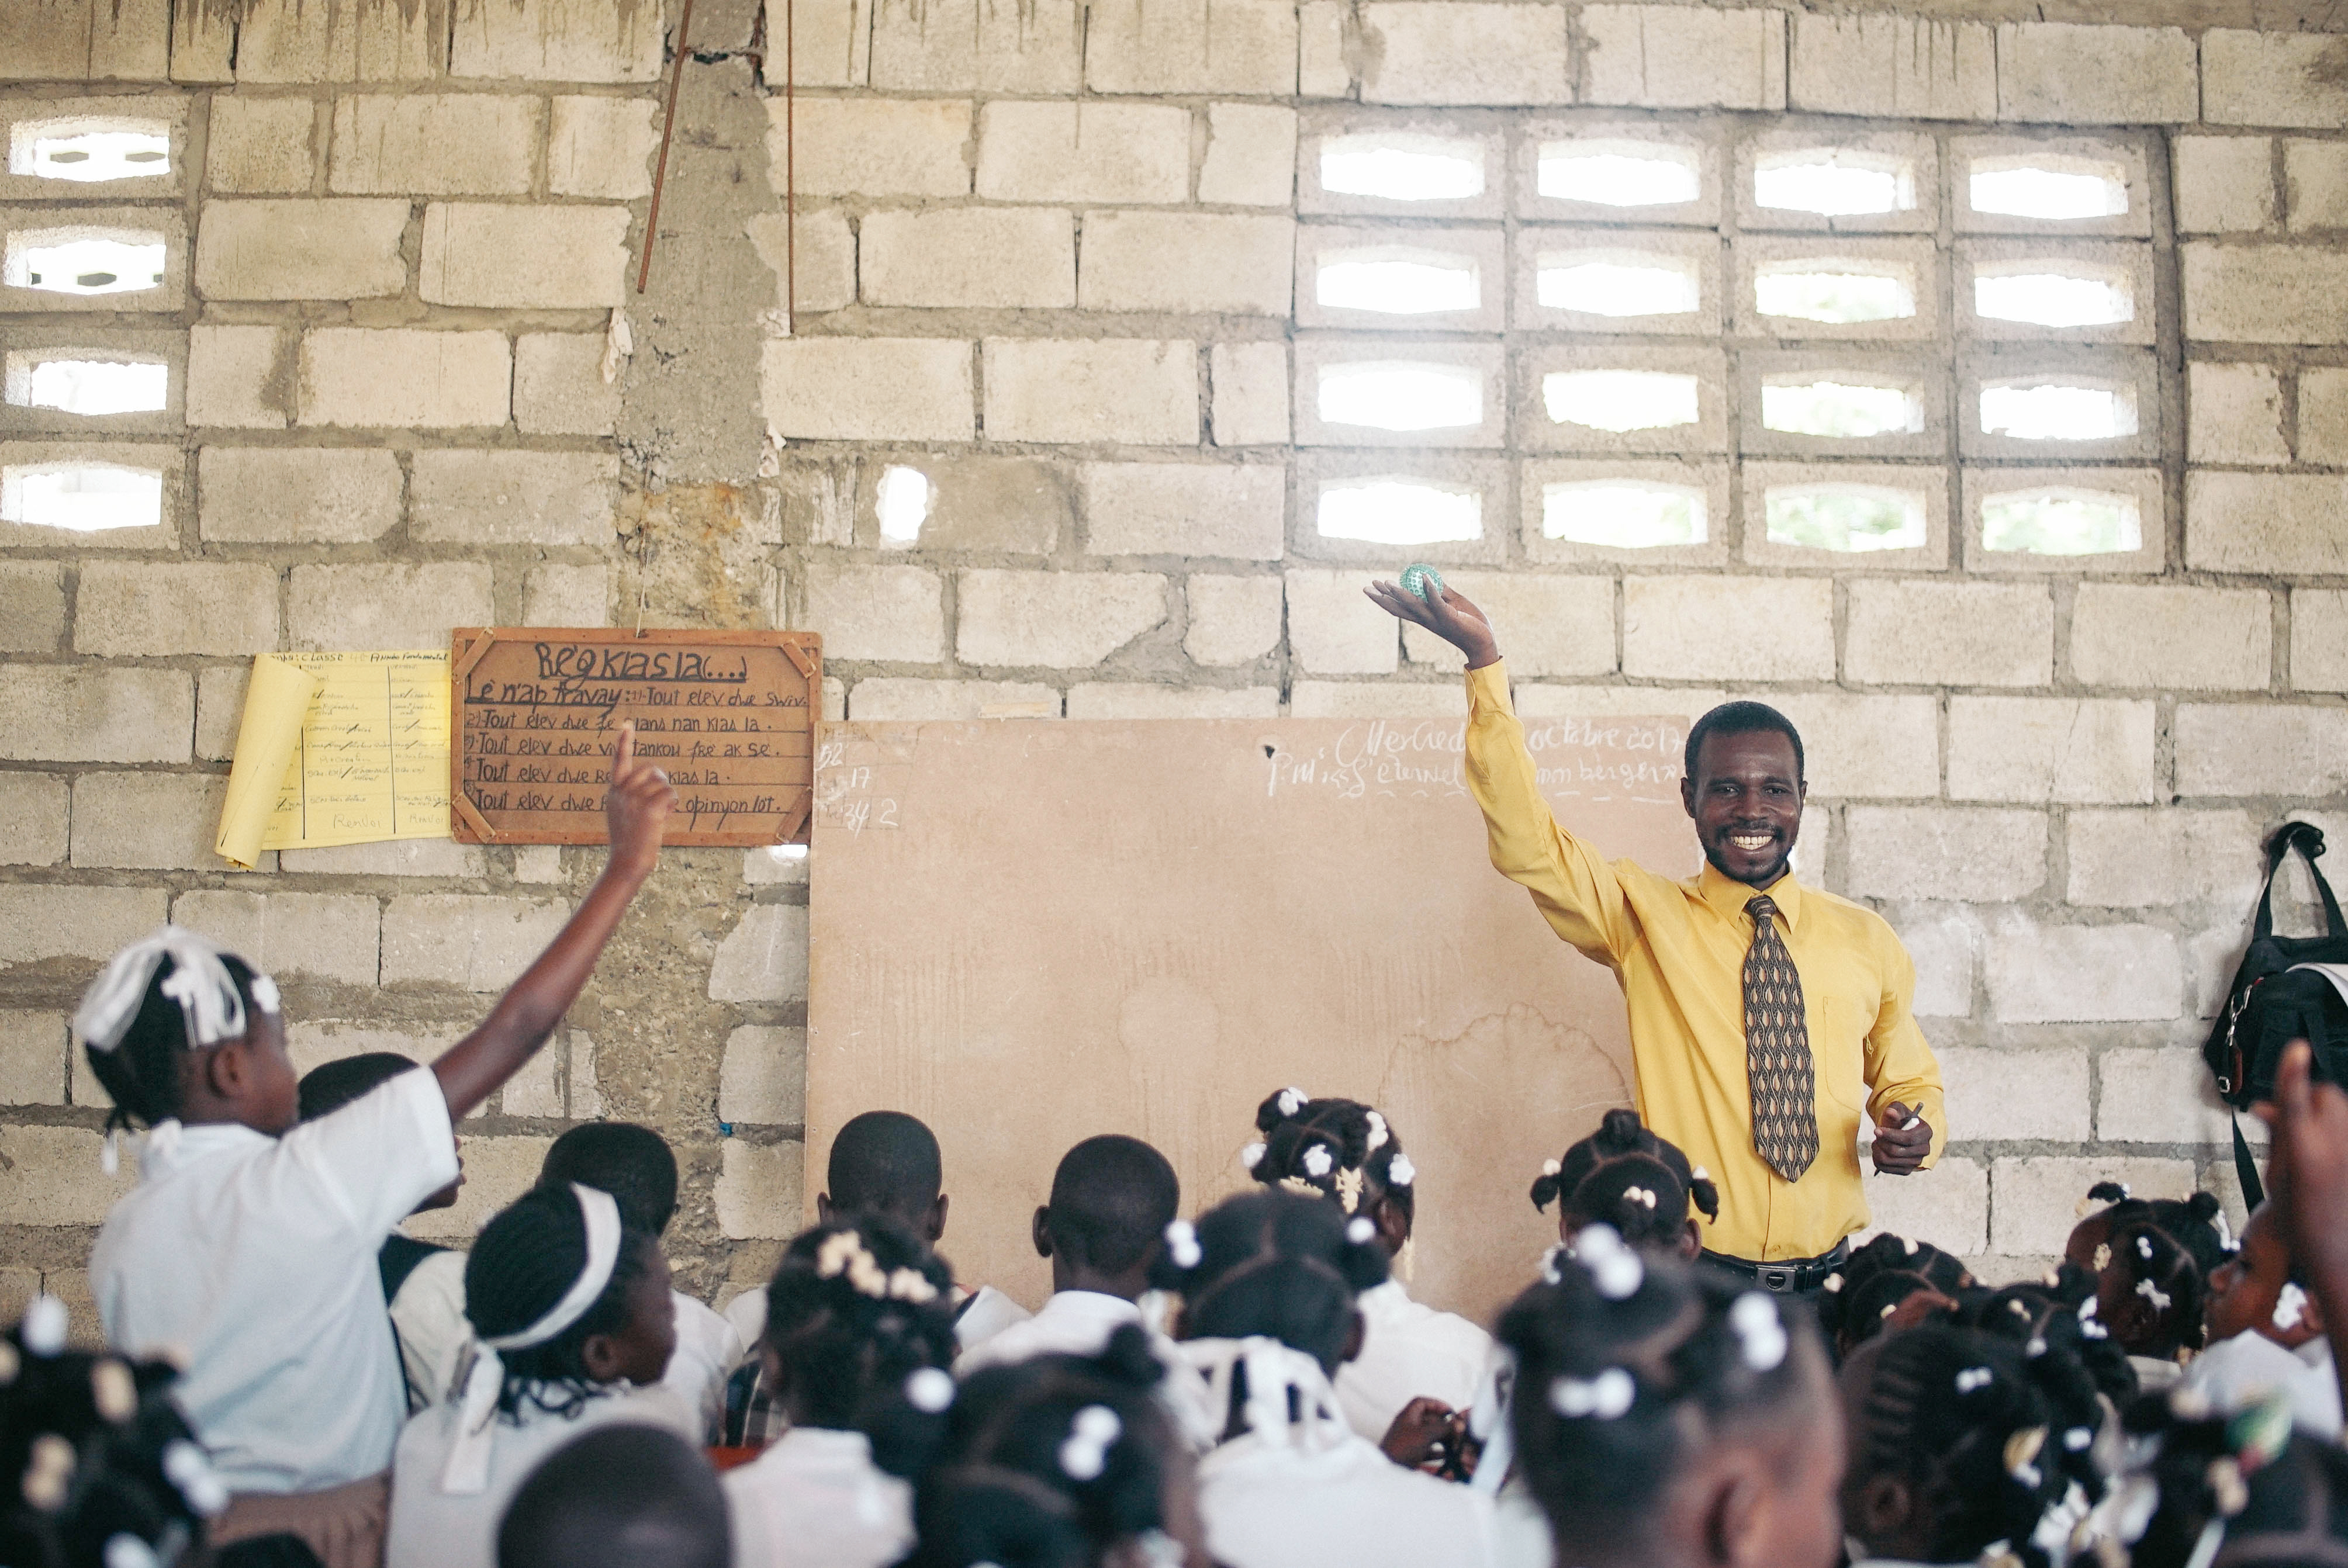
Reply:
x=2272 y=1003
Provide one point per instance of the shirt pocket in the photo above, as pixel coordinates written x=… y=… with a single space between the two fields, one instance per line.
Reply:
x=1838 y=1054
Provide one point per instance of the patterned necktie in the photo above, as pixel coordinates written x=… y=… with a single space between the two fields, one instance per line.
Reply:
x=1777 y=1051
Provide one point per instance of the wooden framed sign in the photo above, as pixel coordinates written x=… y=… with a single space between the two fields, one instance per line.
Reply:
x=730 y=716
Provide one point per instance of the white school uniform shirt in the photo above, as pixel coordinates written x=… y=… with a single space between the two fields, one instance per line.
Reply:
x=1408 y=1351
x=253 y=1259
x=429 y=1315
x=979 y=1315
x=435 y=1528
x=1520 y=1533
x=814 y=1498
x=2251 y=1366
x=707 y=1351
x=1080 y=1323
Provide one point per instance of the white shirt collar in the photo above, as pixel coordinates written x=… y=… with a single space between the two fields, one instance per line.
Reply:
x=1090 y=1307
x=172 y=1147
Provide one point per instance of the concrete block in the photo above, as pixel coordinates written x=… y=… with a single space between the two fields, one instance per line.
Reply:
x=2265 y=294
x=2069 y=73
x=1250 y=382
x=2177 y=639
x=1233 y=619
x=239 y=378
x=1097 y=389
x=875 y=147
x=834 y=40
x=557 y=41
x=2258 y=749
x=1084 y=151
x=1945 y=853
x=1947 y=634
x=307 y=41
x=961 y=700
x=961 y=45
x=2278 y=523
x=261 y=146
x=33 y=813
x=438 y=857
x=567 y=595
x=435 y=144
x=1722 y=629
x=297 y=494
x=1223 y=510
x=1947 y=1205
x=86 y=40
x=331 y=936
x=2082 y=974
x=1322 y=69
x=1245 y=47
x=468 y=940
x=1858 y=748
x=2318 y=639
x=602 y=147
x=1941 y=943
x=1671 y=57
x=32 y=605
x=882 y=612
x=1115 y=700
x=2037 y=1198
x=79 y=922
x=400 y=377
x=2236 y=415
x=538 y=863
x=559 y=387
x=497 y=1170
x=1551 y=623
x=2323 y=417
x=764 y=958
x=59 y=1182
x=1376 y=699
x=1251 y=155
x=514 y=497
x=1003 y=504
x=2050 y=749
x=758 y=1191
x=33 y=1047
x=2225 y=184
x=2002 y=1093
x=190 y=607
x=1183 y=261
x=2273 y=78
x=972 y=257
x=2163 y=1095
x=1463 y=53
x=2315 y=182
x=537 y=1089
x=380 y=605
x=1894 y=67
x=1333 y=627
x=532 y=258
x=762 y=1079
x=92 y=714
x=1060 y=620
x=870 y=389
x=299 y=249
x=220 y=709
x=824 y=271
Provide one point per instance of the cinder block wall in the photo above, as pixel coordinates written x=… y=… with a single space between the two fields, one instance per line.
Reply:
x=1059 y=259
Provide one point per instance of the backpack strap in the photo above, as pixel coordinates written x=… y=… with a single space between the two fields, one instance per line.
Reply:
x=2308 y=839
x=2246 y=1169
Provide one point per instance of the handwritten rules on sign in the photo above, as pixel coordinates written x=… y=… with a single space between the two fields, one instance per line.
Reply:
x=728 y=716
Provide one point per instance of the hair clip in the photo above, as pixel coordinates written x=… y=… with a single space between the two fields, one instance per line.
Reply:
x=1888 y=1308
x=1639 y=1196
x=1699 y=1175
x=2021 y=1450
x=1400 y=1172
x=1607 y=1396
x=1349 y=1187
x=112 y=1391
x=2078 y=1440
x=2102 y=1259
x=2035 y=1349
x=1973 y=1377
x=43 y=1328
x=264 y=993
x=1908 y=1242
x=1183 y=1243
x=1615 y=1269
x=2019 y=1307
x=1832 y=1283
x=124 y=1550
x=1762 y=1332
x=1359 y=1229
x=929 y=1389
x=186 y=1468
x=1084 y=1454
x=1251 y=1154
x=50 y=1473
x=1552 y=1167
x=2290 y=1308
x=1318 y=1162
x=1160 y=1550
x=2052 y=1278
x=1379 y=1137
x=2232 y=1494
x=2154 y=1294
x=2143 y=1248
x=911 y=1285
x=2225 y=1242
x=1998 y=1554
x=1552 y=1263
x=1292 y=1100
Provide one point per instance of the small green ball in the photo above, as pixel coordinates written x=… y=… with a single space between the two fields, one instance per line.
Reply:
x=1422 y=581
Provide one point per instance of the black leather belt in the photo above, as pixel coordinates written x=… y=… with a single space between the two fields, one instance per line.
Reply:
x=1793 y=1277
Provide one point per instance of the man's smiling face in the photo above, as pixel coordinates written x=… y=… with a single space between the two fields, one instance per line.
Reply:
x=1746 y=799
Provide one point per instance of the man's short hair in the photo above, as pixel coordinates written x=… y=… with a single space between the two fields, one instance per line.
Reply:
x=1743 y=718
x=885 y=1162
x=624 y=1496
x=632 y=1163
x=1112 y=1199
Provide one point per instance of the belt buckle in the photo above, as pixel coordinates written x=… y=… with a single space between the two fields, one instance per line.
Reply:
x=1776 y=1278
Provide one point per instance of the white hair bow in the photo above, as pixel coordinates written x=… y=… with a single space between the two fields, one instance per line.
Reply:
x=209 y=1001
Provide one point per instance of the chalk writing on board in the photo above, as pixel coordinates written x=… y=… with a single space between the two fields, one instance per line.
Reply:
x=1591 y=759
x=844 y=790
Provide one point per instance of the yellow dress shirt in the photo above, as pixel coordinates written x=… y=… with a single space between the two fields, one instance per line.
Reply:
x=1678 y=949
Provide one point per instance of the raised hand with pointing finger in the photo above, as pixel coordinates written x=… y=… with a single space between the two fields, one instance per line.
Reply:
x=636 y=806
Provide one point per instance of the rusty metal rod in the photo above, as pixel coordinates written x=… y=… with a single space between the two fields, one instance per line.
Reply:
x=668 y=125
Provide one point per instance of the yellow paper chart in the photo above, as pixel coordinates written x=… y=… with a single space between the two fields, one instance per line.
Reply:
x=339 y=748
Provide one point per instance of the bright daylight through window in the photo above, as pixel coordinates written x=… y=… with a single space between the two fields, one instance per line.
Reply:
x=1617 y=284
x=1618 y=173
x=1396 y=279
x=2054 y=411
x=902 y=501
x=67 y=262
x=1399 y=511
x=1834 y=184
x=2061 y=520
x=1620 y=400
x=2033 y=291
x=2054 y=189
x=85 y=387
x=1401 y=395
x=1402 y=167
x=90 y=151
x=1851 y=409
x=1622 y=514
x=1833 y=291
x=85 y=497
x=1845 y=517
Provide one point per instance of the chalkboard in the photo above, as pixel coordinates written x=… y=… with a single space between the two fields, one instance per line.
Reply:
x=729 y=715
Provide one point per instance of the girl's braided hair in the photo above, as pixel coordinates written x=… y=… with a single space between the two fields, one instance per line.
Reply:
x=1626 y=1176
x=2168 y=1250
x=1277 y=1264
x=2035 y=1311
x=524 y=1261
x=1339 y=1149
x=1878 y=1278
x=142 y=1073
x=2276 y=1500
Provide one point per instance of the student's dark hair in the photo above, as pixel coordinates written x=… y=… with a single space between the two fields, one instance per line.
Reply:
x=2035 y=1312
x=1112 y=1198
x=335 y=1084
x=632 y=1163
x=2281 y=1499
x=622 y=1496
x=885 y=1162
x=276 y=1551
x=855 y=1308
x=1870 y=1286
x=1744 y=718
x=1362 y=1147
x=523 y=1262
x=1001 y=1488
x=142 y=1073
x=1705 y=1355
x=89 y=1446
x=2172 y=1247
x=1278 y=1265
x=1989 y=1438
x=1598 y=1177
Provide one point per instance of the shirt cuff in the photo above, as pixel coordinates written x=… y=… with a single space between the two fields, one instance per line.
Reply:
x=1487 y=688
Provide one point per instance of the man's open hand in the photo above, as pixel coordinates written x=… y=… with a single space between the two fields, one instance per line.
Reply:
x=636 y=806
x=1900 y=1149
x=1446 y=613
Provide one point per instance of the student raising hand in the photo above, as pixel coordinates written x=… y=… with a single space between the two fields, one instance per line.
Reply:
x=636 y=807
x=2306 y=1178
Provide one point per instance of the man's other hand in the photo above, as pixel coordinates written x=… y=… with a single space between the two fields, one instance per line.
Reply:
x=1902 y=1140
x=1446 y=613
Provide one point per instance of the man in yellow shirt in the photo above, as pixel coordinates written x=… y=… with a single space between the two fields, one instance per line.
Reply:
x=1766 y=1018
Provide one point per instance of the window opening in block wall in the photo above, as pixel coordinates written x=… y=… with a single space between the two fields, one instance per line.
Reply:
x=65 y=261
x=84 y=497
x=1396 y=279
x=1618 y=173
x=90 y=386
x=1835 y=182
x=1835 y=290
x=2051 y=186
x=1399 y=511
x=1624 y=514
x=2057 y=410
x=1620 y=400
x=2054 y=294
x=90 y=150
x=902 y=501
x=1399 y=394
x=1403 y=167
x=1618 y=282
x=1845 y=517
x=1843 y=407
x=2062 y=520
